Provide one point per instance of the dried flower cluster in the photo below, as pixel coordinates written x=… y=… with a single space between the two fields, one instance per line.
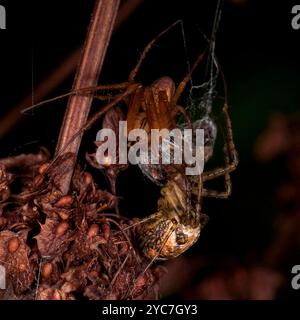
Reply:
x=56 y=246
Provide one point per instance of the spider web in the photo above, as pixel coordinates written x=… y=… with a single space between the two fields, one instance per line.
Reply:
x=199 y=104
x=201 y=96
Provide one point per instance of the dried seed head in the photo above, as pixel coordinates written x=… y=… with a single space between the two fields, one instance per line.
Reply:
x=140 y=282
x=68 y=287
x=58 y=295
x=88 y=179
x=13 y=245
x=43 y=168
x=106 y=231
x=123 y=248
x=64 y=214
x=43 y=293
x=47 y=270
x=4 y=194
x=22 y=267
x=65 y=201
x=93 y=230
x=94 y=274
x=106 y=161
x=61 y=229
x=3 y=222
x=38 y=180
x=105 y=278
x=54 y=196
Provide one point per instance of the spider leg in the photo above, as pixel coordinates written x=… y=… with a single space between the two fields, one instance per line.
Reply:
x=81 y=91
x=91 y=160
x=216 y=193
x=220 y=194
x=231 y=156
x=102 y=97
x=231 y=162
x=148 y=47
x=219 y=172
x=119 y=98
x=199 y=192
x=228 y=185
x=188 y=77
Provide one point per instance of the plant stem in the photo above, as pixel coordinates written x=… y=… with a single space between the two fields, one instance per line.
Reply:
x=94 y=51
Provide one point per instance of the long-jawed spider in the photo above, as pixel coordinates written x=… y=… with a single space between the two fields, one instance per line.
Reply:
x=177 y=224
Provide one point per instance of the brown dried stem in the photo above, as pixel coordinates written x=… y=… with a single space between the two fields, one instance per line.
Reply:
x=97 y=41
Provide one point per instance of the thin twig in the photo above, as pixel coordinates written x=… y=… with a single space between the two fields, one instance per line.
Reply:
x=95 y=47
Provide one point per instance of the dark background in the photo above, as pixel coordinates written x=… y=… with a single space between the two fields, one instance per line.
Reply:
x=259 y=53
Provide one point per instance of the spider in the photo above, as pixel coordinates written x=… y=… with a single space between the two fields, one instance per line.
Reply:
x=177 y=224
